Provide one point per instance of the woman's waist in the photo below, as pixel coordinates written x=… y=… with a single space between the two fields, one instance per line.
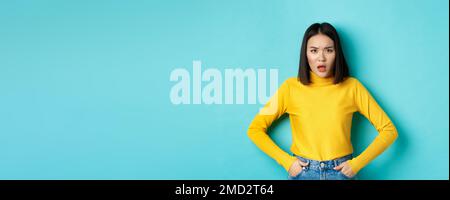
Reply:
x=330 y=163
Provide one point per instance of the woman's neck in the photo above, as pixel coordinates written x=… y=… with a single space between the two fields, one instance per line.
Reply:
x=320 y=81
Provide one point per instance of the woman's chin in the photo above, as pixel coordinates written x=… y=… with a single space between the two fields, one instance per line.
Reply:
x=324 y=74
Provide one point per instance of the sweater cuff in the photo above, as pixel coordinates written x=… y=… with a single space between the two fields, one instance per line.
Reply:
x=287 y=163
x=356 y=167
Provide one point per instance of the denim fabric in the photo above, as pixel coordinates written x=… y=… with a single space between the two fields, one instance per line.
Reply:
x=322 y=170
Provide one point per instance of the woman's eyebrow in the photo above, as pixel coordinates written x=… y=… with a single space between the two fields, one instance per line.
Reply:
x=328 y=47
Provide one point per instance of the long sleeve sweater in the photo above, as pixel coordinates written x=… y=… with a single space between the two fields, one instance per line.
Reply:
x=321 y=118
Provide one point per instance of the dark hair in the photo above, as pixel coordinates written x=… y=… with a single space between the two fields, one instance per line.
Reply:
x=340 y=69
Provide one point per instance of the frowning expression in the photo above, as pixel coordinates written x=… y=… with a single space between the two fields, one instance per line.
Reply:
x=321 y=55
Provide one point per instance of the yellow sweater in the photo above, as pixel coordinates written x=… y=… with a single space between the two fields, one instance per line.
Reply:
x=321 y=119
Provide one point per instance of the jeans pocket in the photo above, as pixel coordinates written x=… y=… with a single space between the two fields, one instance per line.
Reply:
x=296 y=176
x=344 y=177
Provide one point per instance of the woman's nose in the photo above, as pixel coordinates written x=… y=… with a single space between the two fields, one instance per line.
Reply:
x=321 y=57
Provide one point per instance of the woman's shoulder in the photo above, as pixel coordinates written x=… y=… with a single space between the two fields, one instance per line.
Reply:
x=291 y=82
x=353 y=83
x=352 y=80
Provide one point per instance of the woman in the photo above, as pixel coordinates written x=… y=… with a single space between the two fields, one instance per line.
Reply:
x=320 y=102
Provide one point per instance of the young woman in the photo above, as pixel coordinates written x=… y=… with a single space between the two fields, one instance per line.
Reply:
x=320 y=102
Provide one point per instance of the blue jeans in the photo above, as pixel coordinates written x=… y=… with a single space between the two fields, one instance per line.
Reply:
x=321 y=170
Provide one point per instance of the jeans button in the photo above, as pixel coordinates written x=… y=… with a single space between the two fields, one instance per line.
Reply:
x=322 y=165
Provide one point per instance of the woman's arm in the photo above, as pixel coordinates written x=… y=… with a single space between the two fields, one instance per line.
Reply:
x=257 y=131
x=368 y=107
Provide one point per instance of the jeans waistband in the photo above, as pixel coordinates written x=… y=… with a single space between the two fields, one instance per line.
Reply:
x=327 y=164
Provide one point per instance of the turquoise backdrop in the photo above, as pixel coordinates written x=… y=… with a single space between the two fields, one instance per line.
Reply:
x=84 y=85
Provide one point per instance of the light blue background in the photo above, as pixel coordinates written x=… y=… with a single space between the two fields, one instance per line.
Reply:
x=84 y=85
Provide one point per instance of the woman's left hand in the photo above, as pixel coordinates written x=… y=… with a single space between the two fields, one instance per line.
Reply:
x=345 y=169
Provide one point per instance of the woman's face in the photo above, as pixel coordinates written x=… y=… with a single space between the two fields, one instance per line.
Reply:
x=321 y=55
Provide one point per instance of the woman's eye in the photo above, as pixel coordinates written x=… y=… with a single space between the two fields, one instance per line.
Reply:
x=330 y=50
x=313 y=50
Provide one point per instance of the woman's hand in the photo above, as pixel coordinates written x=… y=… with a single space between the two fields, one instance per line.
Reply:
x=296 y=167
x=345 y=169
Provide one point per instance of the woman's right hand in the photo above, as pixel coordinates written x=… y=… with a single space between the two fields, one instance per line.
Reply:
x=296 y=167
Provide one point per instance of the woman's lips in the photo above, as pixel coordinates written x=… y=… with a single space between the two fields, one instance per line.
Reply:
x=322 y=68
